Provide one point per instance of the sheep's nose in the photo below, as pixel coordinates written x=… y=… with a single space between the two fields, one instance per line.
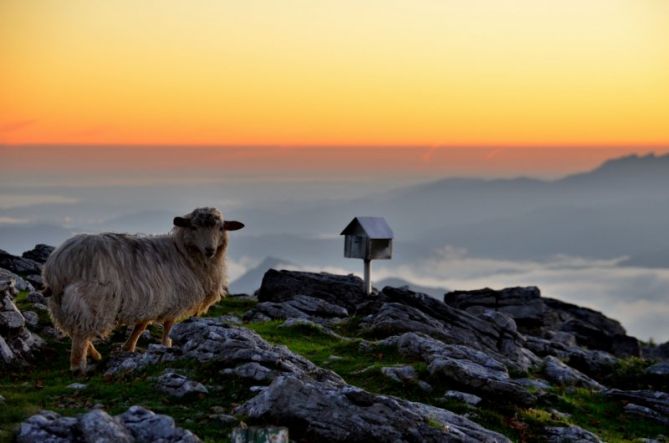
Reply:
x=209 y=252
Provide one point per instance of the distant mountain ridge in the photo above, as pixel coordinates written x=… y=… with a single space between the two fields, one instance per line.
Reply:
x=250 y=281
x=619 y=209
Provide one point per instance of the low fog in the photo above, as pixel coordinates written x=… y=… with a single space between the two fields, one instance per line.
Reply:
x=597 y=238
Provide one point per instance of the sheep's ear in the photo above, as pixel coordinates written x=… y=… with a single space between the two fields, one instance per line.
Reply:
x=182 y=222
x=232 y=225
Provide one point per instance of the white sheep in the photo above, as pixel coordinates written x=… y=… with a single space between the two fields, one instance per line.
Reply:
x=98 y=282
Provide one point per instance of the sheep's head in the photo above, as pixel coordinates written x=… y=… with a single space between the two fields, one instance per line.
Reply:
x=204 y=230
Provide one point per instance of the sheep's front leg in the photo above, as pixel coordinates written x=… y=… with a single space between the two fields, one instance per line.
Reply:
x=95 y=355
x=78 y=354
x=132 y=340
x=167 y=327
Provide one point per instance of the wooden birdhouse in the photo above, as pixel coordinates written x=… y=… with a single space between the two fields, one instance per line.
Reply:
x=368 y=238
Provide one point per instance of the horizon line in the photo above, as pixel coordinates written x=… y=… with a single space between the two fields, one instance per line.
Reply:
x=338 y=146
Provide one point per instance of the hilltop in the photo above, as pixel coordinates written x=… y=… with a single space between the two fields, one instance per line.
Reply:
x=312 y=353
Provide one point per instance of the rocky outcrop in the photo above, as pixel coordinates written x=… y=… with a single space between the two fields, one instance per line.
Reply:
x=39 y=253
x=178 y=385
x=19 y=265
x=493 y=334
x=589 y=361
x=19 y=282
x=571 y=434
x=524 y=305
x=563 y=375
x=313 y=402
x=29 y=266
x=393 y=311
x=18 y=345
x=459 y=365
x=135 y=425
x=646 y=412
x=342 y=290
x=236 y=350
x=318 y=411
x=541 y=317
x=300 y=306
x=653 y=405
x=464 y=397
x=660 y=369
x=656 y=352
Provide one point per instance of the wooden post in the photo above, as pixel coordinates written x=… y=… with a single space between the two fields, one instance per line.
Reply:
x=367 y=284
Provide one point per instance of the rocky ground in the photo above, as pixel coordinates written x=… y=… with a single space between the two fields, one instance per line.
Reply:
x=310 y=352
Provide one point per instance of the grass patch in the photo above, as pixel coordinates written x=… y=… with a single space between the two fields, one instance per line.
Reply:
x=232 y=306
x=605 y=417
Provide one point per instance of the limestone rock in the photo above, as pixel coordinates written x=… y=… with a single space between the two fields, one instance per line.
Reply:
x=591 y=328
x=660 y=369
x=564 y=375
x=395 y=318
x=279 y=286
x=590 y=361
x=301 y=306
x=251 y=371
x=316 y=411
x=129 y=362
x=536 y=315
x=534 y=383
x=19 y=265
x=464 y=397
x=656 y=400
x=135 y=425
x=524 y=305
x=39 y=253
x=490 y=334
x=646 y=412
x=229 y=346
x=571 y=434
x=462 y=365
x=19 y=282
x=37 y=297
x=178 y=385
x=656 y=352
x=47 y=426
x=147 y=426
x=400 y=374
x=326 y=298
x=18 y=346
x=31 y=318
x=99 y=427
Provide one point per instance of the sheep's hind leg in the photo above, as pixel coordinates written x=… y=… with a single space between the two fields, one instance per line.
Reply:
x=167 y=327
x=78 y=354
x=132 y=340
x=95 y=355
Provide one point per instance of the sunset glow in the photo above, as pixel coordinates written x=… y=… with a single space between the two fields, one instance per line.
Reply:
x=428 y=73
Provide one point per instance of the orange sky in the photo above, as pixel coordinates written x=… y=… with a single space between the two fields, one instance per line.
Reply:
x=345 y=72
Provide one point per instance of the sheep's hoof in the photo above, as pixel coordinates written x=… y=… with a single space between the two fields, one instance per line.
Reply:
x=167 y=342
x=95 y=355
x=128 y=348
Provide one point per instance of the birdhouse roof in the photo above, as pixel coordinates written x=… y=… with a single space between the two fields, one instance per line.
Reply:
x=372 y=227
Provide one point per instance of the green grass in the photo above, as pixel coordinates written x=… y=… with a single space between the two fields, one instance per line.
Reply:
x=605 y=417
x=45 y=387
